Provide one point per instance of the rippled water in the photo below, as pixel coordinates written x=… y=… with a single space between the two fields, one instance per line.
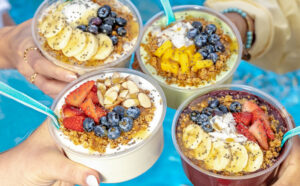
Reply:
x=17 y=122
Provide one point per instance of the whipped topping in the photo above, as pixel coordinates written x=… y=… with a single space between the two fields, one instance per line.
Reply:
x=176 y=34
x=225 y=129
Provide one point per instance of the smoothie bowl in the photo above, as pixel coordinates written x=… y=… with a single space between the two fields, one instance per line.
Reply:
x=231 y=135
x=111 y=121
x=86 y=35
x=201 y=49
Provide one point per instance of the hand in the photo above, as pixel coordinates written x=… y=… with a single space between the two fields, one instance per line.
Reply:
x=240 y=24
x=50 y=78
x=289 y=170
x=38 y=161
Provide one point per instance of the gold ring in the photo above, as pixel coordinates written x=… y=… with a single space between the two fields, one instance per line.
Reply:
x=26 y=51
x=33 y=77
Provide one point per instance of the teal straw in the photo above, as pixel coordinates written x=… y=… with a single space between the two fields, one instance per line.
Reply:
x=28 y=101
x=168 y=11
x=289 y=134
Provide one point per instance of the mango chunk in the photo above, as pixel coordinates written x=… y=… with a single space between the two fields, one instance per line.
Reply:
x=163 y=48
x=169 y=66
x=202 y=64
x=184 y=63
x=176 y=55
x=196 y=58
x=168 y=54
x=190 y=50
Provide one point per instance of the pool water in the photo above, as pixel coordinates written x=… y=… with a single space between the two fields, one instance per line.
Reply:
x=17 y=122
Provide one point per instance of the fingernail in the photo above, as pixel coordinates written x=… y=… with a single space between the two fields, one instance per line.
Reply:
x=91 y=180
x=71 y=77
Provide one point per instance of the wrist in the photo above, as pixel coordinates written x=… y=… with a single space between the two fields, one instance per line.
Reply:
x=240 y=23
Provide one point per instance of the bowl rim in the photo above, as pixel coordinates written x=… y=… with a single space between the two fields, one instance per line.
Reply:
x=246 y=88
x=45 y=4
x=81 y=80
x=202 y=9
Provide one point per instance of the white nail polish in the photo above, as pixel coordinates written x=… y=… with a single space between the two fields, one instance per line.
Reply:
x=91 y=180
x=71 y=76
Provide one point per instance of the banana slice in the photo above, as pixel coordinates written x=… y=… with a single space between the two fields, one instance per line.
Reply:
x=52 y=25
x=203 y=149
x=105 y=47
x=239 y=158
x=255 y=156
x=219 y=156
x=61 y=40
x=76 y=43
x=192 y=136
x=90 y=48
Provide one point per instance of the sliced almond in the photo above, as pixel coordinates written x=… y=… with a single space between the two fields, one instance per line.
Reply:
x=132 y=87
x=100 y=97
x=110 y=98
x=101 y=87
x=115 y=88
x=123 y=93
x=124 y=85
x=133 y=96
x=144 y=100
x=115 y=78
x=118 y=102
x=130 y=103
x=107 y=82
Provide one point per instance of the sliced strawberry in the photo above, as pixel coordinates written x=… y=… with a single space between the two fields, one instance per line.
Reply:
x=77 y=96
x=89 y=109
x=242 y=117
x=250 y=106
x=259 y=114
x=100 y=112
x=242 y=129
x=94 y=89
x=257 y=130
x=93 y=96
x=74 y=123
x=70 y=111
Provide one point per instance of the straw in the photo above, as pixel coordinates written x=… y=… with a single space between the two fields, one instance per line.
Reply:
x=168 y=11
x=289 y=134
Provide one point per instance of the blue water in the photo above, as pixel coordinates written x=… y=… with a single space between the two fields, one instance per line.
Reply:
x=17 y=122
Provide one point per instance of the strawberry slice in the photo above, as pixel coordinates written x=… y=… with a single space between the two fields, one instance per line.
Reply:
x=259 y=114
x=94 y=89
x=250 y=106
x=77 y=96
x=100 y=112
x=93 y=96
x=89 y=109
x=258 y=131
x=242 y=118
x=74 y=123
x=242 y=129
x=70 y=111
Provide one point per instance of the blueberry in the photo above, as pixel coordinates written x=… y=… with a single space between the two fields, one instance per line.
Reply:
x=223 y=108
x=104 y=11
x=219 y=47
x=113 y=14
x=114 y=40
x=194 y=115
x=119 y=110
x=235 y=107
x=206 y=126
x=104 y=121
x=100 y=130
x=110 y=21
x=217 y=111
x=214 y=103
x=210 y=29
x=213 y=39
x=93 y=29
x=121 y=21
x=213 y=56
x=88 y=124
x=82 y=28
x=207 y=111
x=126 y=124
x=192 y=33
x=202 y=118
x=114 y=132
x=113 y=118
x=203 y=52
x=200 y=40
x=197 y=25
x=106 y=29
x=210 y=48
x=121 y=31
x=95 y=21
x=133 y=112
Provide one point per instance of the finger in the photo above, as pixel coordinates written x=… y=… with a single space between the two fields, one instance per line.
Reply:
x=42 y=66
x=61 y=183
x=49 y=86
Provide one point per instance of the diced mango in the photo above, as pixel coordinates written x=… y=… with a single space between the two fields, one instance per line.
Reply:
x=183 y=48
x=163 y=48
x=196 y=58
x=190 y=50
x=169 y=66
x=202 y=64
x=168 y=54
x=184 y=63
x=176 y=55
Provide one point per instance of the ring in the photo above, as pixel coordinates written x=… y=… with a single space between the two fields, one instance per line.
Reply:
x=33 y=77
x=26 y=51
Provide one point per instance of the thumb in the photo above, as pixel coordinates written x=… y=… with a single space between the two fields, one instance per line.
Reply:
x=66 y=170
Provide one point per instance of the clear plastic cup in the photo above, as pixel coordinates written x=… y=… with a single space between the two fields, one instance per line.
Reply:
x=119 y=165
x=121 y=62
x=175 y=94
x=200 y=176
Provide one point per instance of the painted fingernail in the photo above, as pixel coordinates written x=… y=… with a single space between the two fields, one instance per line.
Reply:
x=91 y=180
x=71 y=77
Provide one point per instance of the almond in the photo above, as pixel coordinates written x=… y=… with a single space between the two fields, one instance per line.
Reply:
x=107 y=82
x=132 y=87
x=101 y=87
x=100 y=97
x=115 y=78
x=114 y=88
x=123 y=93
x=130 y=102
x=144 y=100
x=110 y=98
x=124 y=85
x=118 y=102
